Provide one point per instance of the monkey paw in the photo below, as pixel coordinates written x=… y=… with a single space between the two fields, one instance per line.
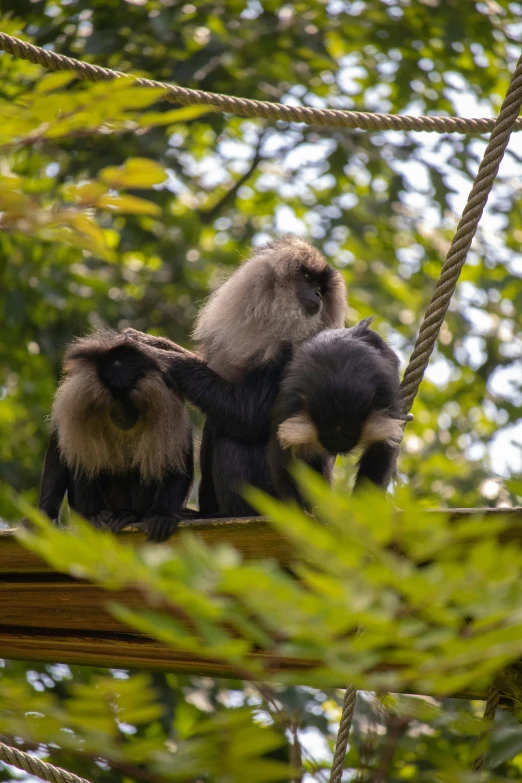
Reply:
x=101 y=521
x=189 y=513
x=161 y=527
x=119 y=521
x=106 y=520
x=133 y=334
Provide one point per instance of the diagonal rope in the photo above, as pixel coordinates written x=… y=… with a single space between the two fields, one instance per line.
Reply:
x=461 y=243
x=35 y=766
x=246 y=107
x=506 y=122
x=429 y=332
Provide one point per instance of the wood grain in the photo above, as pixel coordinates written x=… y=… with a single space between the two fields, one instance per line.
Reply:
x=252 y=536
x=123 y=651
x=49 y=616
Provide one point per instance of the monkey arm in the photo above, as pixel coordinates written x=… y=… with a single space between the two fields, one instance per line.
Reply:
x=171 y=494
x=152 y=341
x=240 y=410
x=377 y=465
x=54 y=480
x=279 y=460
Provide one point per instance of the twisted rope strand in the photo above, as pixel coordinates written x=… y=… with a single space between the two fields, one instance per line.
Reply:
x=37 y=767
x=341 y=743
x=246 y=107
x=489 y=717
x=502 y=128
x=429 y=332
x=461 y=243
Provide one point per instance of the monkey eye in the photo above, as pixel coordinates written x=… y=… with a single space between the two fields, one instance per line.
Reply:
x=307 y=276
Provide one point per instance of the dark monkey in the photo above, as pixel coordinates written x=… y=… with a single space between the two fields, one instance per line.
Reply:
x=121 y=442
x=247 y=332
x=341 y=391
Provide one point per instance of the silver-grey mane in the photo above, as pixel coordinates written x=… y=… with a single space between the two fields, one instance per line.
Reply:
x=246 y=321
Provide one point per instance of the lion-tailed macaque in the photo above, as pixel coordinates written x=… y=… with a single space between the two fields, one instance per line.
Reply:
x=341 y=391
x=246 y=333
x=121 y=446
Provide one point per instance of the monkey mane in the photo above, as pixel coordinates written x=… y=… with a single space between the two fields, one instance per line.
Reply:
x=245 y=322
x=90 y=443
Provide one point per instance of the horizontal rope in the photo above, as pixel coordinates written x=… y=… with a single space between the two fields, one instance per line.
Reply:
x=246 y=107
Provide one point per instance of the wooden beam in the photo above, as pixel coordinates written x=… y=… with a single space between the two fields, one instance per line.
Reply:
x=251 y=536
x=46 y=615
x=49 y=616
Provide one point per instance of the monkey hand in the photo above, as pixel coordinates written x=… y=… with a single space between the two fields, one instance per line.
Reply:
x=188 y=513
x=101 y=521
x=106 y=520
x=152 y=341
x=121 y=520
x=161 y=526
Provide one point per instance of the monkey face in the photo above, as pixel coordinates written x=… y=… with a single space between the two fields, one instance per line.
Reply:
x=120 y=371
x=116 y=410
x=115 y=374
x=352 y=406
x=121 y=368
x=339 y=428
x=311 y=286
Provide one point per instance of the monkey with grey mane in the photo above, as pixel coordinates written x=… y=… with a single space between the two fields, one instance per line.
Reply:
x=121 y=444
x=340 y=392
x=246 y=333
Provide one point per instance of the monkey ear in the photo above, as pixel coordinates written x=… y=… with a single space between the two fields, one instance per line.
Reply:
x=366 y=322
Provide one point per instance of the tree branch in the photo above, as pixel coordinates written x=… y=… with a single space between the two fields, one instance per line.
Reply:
x=208 y=215
x=397 y=726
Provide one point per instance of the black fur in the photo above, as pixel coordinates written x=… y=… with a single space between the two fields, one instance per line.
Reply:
x=113 y=500
x=338 y=378
x=236 y=433
x=119 y=368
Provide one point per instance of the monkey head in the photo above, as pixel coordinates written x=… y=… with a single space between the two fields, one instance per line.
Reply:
x=116 y=409
x=283 y=294
x=311 y=286
x=339 y=393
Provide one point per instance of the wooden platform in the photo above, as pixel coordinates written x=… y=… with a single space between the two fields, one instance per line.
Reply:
x=49 y=616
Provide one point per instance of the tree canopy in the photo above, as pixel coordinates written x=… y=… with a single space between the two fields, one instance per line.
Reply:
x=118 y=209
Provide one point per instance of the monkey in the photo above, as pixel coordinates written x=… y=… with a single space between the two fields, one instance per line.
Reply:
x=121 y=445
x=246 y=333
x=340 y=392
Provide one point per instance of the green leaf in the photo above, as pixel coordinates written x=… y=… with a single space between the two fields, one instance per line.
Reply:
x=129 y=204
x=135 y=173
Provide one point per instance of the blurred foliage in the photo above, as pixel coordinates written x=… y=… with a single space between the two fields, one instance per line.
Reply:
x=403 y=601
x=120 y=210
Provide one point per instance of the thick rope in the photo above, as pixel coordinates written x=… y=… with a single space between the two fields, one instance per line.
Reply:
x=245 y=107
x=341 y=743
x=37 y=767
x=430 y=329
x=506 y=122
x=477 y=199
x=489 y=717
